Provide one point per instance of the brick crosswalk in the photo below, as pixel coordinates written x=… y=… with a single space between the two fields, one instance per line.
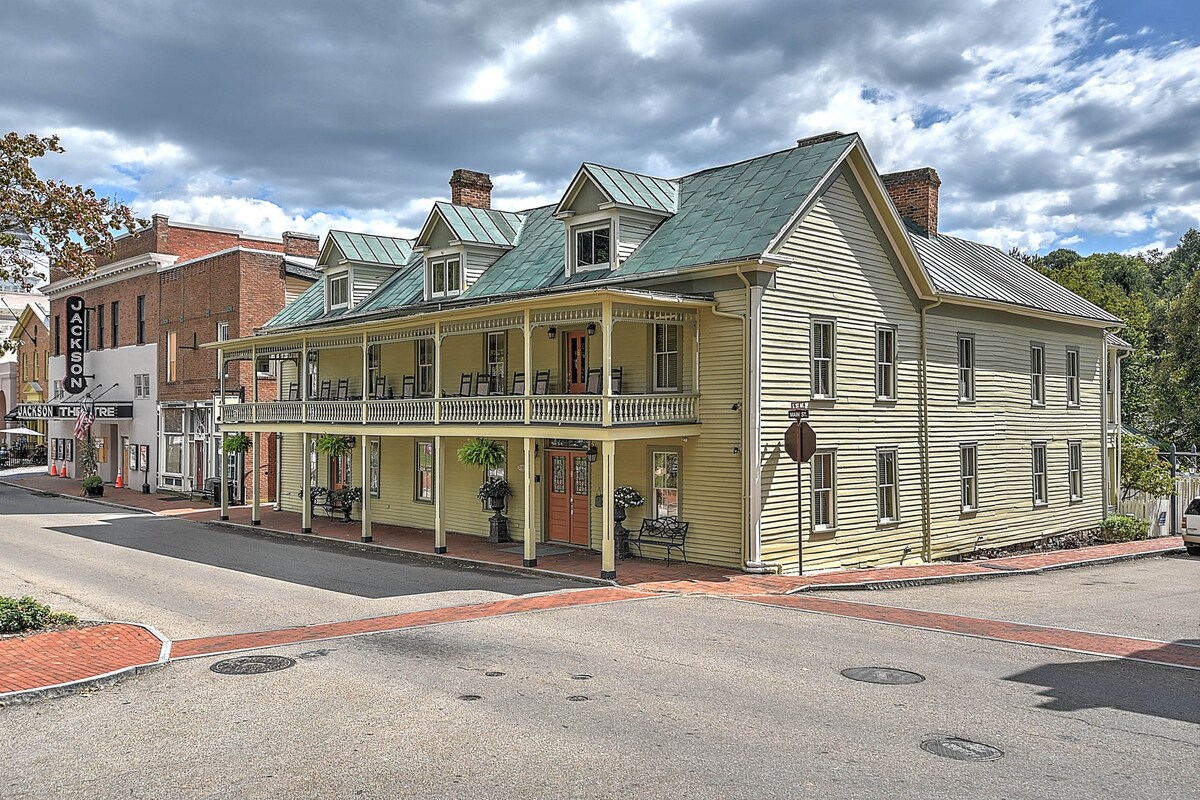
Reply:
x=51 y=659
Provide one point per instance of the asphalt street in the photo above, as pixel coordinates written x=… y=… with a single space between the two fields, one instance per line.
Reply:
x=192 y=579
x=667 y=697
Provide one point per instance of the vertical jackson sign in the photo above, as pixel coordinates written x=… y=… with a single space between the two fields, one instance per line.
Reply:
x=75 y=381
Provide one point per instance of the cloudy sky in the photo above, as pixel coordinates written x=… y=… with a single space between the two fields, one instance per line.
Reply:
x=1052 y=122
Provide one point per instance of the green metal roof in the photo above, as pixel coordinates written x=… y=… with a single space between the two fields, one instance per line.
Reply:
x=634 y=189
x=365 y=247
x=481 y=225
x=304 y=308
x=404 y=288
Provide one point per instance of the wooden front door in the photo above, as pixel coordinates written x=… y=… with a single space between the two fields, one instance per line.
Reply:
x=569 y=493
x=576 y=344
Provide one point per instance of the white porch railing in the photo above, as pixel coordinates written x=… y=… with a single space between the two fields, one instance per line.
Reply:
x=569 y=409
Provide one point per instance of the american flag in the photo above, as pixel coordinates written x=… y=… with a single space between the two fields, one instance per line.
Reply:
x=84 y=422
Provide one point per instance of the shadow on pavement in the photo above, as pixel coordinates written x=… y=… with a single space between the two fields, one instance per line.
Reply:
x=1140 y=688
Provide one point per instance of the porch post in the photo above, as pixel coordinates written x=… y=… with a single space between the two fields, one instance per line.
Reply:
x=365 y=392
x=302 y=379
x=608 y=555
x=527 y=402
x=255 y=499
x=305 y=479
x=606 y=317
x=439 y=502
x=437 y=372
x=222 y=480
x=696 y=354
x=365 y=444
x=530 y=540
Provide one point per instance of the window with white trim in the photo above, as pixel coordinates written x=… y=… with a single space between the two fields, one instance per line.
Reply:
x=424 y=472
x=172 y=356
x=141 y=386
x=885 y=483
x=966 y=368
x=1073 y=376
x=425 y=356
x=1040 y=492
x=1037 y=374
x=339 y=291
x=445 y=276
x=666 y=357
x=968 y=477
x=822 y=359
x=593 y=247
x=495 y=357
x=823 y=488
x=885 y=363
x=375 y=458
x=664 y=480
x=1075 y=469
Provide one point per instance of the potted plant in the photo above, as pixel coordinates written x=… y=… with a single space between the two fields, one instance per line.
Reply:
x=346 y=498
x=237 y=443
x=624 y=497
x=93 y=486
x=334 y=446
x=488 y=454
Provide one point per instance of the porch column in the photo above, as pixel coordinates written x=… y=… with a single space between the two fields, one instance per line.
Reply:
x=222 y=479
x=365 y=445
x=608 y=548
x=530 y=540
x=366 y=394
x=305 y=481
x=439 y=501
x=695 y=354
x=528 y=402
x=302 y=379
x=606 y=317
x=437 y=373
x=255 y=465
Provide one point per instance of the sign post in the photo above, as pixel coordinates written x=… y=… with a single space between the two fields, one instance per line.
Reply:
x=800 y=442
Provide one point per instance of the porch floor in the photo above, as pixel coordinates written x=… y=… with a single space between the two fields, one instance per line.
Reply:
x=582 y=563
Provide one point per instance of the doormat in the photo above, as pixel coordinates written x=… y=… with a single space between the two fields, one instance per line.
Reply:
x=542 y=550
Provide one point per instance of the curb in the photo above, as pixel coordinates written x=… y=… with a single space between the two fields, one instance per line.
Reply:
x=982 y=576
x=26 y=696
x=415 y=555
x=35 y=490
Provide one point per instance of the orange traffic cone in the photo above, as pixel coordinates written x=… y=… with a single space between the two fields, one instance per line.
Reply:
x=54 y=469
x=120 y=480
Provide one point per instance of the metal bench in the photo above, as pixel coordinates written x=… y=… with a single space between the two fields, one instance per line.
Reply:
x=668 y=532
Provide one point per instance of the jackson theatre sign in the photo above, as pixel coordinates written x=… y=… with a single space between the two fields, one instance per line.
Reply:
x=75 y=381
x=71 y=411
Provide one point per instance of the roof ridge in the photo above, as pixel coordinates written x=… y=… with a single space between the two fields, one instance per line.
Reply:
x=851 y=134
x=630 y=171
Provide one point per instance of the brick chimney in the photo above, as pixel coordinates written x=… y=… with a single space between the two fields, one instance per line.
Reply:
x=301 y=244
x=470 y=188
x=915 y=195
x=160 y=224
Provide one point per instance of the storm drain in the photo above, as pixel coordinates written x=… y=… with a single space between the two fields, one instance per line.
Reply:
x=494 y=673
x=961 y=749
x=884 y=675
x=252 y=665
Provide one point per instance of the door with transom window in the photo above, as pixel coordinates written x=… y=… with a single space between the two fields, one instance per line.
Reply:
x=569 y=494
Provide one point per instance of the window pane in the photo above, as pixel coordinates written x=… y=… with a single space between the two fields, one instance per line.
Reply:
x=600 y=247
x=666 y=484
x=439 y=277
x=453 y=275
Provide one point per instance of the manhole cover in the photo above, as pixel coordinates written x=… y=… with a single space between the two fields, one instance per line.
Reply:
x=494 y=674
x=581 y=677
x=884 y=675
x=469 y=697
x=961 y=749
x=578 y=698
x=252 y=665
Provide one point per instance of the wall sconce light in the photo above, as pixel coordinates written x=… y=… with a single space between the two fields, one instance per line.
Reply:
x=592 y=454
x=591 y=329
x=551 y=332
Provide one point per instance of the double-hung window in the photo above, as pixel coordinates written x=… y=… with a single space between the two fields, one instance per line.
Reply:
x=1072 y=376
x=100 y=327
x=425 y=355
x=1040 y=494
x=115 y=321
x=966 y=368
x=885 y=483
x=141 y=386
x=968 y=477
x=822 y=359
x=375 y=457
x=424 y=472
x=664 y=478
x=823 y=483
x=1037 y=374
x=141 y=319
x=1075 y=469
x=885 y=363
x=593 y=247
x=339 y=291
x=445 y=277
x=495 y=357
x=666 y=357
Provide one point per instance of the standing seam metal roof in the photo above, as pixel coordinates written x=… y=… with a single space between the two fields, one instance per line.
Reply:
x=481 y=225
x=634 y=189
x=368 y=248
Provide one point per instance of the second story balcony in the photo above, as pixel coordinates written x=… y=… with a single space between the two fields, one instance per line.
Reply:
x=606 y=364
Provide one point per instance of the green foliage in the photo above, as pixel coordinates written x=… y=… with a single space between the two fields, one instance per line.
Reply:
x=334 y=446
x=237 y=443
x=26 y=614
x=1142 y=469
x=493 y=487
x=480 y=452
x=86 y=453
x=1120 y=528
x=93 y=482
x=347 y=496
x=1178 y=370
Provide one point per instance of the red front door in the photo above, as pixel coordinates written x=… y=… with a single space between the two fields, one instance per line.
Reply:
x=569 y=496
x=576 y=343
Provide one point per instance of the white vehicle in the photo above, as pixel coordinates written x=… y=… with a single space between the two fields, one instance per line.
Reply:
x=1191 y=527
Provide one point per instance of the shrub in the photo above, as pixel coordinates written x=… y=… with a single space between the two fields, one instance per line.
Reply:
x=334 y=446
x=27 y=614
x=493 y=487
x=1120 y=528
x=93 y=482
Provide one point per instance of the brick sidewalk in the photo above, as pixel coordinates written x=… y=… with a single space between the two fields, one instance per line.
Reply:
x=44 y=660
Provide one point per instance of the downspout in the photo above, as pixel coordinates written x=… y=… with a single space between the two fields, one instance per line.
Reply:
x=751 y=394
x=923 y=407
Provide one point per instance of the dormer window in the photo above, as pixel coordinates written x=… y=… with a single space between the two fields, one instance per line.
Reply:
x=339 y=291
x=593 y=247
x=445 y=277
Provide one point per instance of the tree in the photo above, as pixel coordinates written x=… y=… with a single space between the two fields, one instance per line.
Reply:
x=50 y=221
x=1177 y=373
x=1142 y=469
